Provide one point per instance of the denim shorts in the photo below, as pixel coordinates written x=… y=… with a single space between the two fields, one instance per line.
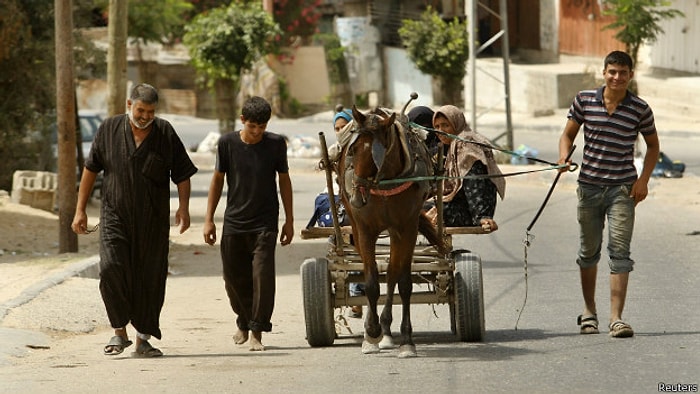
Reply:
x=596 y=203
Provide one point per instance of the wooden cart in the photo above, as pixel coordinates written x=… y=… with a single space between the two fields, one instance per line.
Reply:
x=454 y=278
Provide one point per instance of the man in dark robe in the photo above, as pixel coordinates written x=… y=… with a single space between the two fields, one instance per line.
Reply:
x=139 y=154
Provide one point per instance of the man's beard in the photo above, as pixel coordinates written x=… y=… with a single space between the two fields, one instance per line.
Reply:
x=135 y=123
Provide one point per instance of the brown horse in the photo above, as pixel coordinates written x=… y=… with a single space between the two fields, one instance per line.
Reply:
x=382 y=148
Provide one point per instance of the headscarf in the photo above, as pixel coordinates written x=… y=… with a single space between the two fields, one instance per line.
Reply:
x=342 y=114
x=462 y=155
x=421 y=115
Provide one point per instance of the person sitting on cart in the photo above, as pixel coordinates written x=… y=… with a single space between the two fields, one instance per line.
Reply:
x=467 y=202
x=341 y=119
x=322 y=215
x=423 y=116
x=342 y=124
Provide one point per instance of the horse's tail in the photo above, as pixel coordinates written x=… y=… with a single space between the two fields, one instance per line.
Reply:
x=426 y=227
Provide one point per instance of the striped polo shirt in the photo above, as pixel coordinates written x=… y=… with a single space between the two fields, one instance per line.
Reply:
x=608 y=153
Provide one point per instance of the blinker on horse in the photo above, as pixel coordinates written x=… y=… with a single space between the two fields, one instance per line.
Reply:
x=383 y=147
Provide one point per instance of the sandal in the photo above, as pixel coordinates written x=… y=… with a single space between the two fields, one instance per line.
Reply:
x=147 y=351
x=588 y=323
x=620 y=329
x=116 y=345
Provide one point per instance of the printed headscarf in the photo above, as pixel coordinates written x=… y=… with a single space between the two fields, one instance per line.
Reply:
x=462 y=155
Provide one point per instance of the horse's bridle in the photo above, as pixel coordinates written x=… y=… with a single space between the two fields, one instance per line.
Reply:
x=363 y=185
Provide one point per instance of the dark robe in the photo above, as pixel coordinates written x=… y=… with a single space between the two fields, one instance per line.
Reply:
x=135 y=218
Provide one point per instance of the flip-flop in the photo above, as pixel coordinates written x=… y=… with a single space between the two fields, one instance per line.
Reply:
x=145 y=350
x=116 y=345
x=588 y=323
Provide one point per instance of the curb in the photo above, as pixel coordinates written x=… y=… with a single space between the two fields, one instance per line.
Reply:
x=85 y=268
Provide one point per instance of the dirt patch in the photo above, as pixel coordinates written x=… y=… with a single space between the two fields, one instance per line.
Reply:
x=28 y=233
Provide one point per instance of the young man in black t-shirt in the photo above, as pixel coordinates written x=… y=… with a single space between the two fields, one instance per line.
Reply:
x=250 y=160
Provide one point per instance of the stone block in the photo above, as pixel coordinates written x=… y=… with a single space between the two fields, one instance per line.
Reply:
x=35 y=188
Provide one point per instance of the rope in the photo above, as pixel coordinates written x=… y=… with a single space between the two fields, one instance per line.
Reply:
x=526 y=242
x=484 y=176
x=454 y=137
x=552 y=166
x=529 y=237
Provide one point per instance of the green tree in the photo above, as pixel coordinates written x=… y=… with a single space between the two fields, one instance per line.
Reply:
x=223 y=43
x=438 y=48
x=637 y=21
x=201 y=6
x=158 y=21
x=27 y=86
x=155 y=22
x=27 y=82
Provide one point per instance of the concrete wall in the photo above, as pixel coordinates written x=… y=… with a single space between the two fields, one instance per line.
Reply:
x=402 y=78
x=533 y=88
x=361 y=40
x=307 y=76
x=92 y=94
x=677 y=49
x=549 y=36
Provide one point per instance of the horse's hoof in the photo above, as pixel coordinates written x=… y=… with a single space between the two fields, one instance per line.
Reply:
x=386 y=343
x=373 y=341
x=406 y=351
x=369 y=348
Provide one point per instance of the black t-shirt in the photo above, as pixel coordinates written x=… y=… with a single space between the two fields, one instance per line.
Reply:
x=251 y=171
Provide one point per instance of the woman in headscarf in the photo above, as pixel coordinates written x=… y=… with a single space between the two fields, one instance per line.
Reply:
x=467 y=202
x=342 y=133
x=423 y=116
x=340 y=119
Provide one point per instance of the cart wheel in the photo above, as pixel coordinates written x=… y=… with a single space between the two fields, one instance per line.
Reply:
x=469 y=297
x=318 y=308
x=453 y=318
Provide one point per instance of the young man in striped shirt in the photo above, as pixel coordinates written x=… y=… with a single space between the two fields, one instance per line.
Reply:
x=612 y=118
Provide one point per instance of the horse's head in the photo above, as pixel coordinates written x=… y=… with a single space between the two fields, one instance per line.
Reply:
x=373 y=137
x=376 y=133
x=375 y=123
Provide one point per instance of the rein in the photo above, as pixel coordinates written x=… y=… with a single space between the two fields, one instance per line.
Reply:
x=571 y=167
x=510 y=152
x=529 y=238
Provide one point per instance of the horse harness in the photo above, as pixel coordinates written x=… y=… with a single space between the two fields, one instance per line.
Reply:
x=418 y=163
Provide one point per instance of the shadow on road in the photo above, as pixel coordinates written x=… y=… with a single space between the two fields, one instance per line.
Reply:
x=205 y=260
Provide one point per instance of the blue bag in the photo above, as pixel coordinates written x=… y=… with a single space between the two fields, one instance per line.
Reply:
x=322 y=216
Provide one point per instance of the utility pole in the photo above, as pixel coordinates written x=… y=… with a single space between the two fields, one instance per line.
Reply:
x=65 y=123
x=116 y=56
